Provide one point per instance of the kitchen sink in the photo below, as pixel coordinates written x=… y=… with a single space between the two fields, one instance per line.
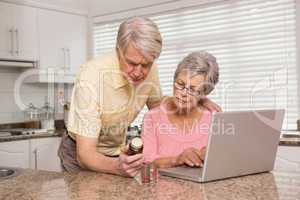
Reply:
x=6 y=172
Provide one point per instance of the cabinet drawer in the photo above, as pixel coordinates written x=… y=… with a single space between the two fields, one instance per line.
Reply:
x=15 y=154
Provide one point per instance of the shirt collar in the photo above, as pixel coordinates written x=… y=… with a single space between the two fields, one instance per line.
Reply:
x=119 y=80
x=117 y=76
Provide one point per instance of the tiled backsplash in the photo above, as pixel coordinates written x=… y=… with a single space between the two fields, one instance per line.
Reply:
x=34 y=93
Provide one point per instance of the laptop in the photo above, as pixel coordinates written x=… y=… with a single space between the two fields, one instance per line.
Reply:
x=240 y=143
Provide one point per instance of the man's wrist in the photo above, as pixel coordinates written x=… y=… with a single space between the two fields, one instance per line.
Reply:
x=117 y=166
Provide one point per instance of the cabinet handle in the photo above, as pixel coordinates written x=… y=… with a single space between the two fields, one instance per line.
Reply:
x=64 y=52
x=35 y=152
x=69 y=59
x=11 y=42
x=17 y=41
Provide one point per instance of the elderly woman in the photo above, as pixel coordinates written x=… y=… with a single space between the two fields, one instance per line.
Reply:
x=176 y=132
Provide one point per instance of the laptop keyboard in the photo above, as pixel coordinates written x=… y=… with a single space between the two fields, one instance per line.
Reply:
x=186 y=171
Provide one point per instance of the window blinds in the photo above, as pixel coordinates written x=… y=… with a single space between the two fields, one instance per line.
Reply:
x=254 y=42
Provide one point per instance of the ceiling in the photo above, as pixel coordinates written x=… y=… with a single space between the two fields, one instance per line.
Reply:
x=94 y=7
x=100 y=7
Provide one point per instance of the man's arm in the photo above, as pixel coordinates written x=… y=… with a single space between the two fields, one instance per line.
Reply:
x=89 y=158
x=153 y=104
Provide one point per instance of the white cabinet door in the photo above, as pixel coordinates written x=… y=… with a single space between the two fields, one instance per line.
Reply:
x=63 y=39
x=43 y=154
x=15 y=154
x=18 y=32
x=77 y=43
x=53 y=38
x=25 y=32
x=6 y=31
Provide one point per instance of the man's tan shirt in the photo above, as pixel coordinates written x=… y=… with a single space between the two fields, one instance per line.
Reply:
x=103 y=103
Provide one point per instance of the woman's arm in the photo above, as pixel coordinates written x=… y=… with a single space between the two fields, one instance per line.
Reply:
x=150 y=138
x=166 y=162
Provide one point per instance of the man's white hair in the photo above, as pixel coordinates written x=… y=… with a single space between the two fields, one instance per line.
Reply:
x=143 y=34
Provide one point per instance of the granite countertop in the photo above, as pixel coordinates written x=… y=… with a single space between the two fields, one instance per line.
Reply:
x=290 y=141
x=290 y=138
x=56 y=133
x=29 y=184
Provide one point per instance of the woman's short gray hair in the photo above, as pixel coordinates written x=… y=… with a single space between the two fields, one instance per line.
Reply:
x=201 y=63
x=143 y=34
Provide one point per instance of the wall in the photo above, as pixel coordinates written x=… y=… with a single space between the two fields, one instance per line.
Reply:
x=36 y=93
x=113 y=6
x=114 y=11
x=104 y=12
x=298 y=49
x=9 y=110
x=71 y=6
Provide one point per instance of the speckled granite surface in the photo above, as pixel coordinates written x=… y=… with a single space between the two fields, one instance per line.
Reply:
x=290 y=138
x=292 y=141
x=40 y=185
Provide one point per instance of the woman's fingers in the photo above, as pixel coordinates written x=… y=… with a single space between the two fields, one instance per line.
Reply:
x=201 y=155
x=197 y=153
x=195 y=159
x=190 y=161
x=191 y=158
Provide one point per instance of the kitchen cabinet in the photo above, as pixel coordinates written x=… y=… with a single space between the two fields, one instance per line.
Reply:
x=43 y=154
x=18 y=32
x=288 y=157
x=6 y=34
x=15 y=154
x=26 y=33
x=63 y=40
x=38 y=153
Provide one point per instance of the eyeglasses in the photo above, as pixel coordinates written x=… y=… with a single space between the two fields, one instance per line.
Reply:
x=190 y=91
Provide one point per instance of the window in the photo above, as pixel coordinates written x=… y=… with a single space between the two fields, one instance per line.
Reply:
x=254 y=42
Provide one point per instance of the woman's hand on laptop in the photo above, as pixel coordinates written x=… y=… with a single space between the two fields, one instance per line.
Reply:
x=191 y=157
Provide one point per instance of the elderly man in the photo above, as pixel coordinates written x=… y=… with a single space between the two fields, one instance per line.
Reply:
x=109 y=92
